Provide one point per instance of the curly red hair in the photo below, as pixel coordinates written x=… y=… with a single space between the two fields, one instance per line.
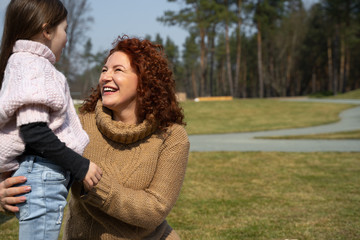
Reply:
x=156 y=87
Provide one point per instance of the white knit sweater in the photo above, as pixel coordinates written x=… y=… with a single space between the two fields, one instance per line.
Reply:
x=34 y=91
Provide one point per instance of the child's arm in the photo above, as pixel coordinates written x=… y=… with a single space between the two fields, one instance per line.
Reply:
x=40 y=139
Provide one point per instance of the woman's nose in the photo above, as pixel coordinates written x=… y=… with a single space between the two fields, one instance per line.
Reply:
x=106 y=77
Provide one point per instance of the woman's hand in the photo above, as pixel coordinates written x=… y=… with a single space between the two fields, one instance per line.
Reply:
x=8 y=191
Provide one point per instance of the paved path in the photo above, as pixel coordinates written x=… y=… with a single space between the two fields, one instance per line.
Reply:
x=350 y=120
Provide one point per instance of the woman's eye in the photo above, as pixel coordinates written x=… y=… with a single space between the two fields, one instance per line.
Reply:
x=118 y=70
x=103 y=70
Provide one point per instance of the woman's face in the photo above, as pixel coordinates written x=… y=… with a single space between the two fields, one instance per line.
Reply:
x=118 y=83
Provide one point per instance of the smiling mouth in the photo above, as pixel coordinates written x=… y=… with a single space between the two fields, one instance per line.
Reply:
x=109 y=89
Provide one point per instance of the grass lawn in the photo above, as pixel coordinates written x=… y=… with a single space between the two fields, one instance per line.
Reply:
x=329 y=136
x=257 y=114
x=270 y=196
x=355 y=94
x=257 y=196
x=235 y=195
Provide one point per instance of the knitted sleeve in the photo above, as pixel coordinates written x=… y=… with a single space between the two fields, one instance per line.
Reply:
x=11 y=146
x=30 y=80
x=149 y=207
x=32 y=113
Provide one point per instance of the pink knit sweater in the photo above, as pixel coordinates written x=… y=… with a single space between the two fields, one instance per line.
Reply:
x=34 y=91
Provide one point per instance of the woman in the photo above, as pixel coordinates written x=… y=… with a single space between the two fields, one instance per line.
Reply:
x=137 y=138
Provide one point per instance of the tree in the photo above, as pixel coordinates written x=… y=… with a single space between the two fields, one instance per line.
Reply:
x=238 y=46
x=190 y=62
x=90 y=77
x=258 y=21
x=172 y=53
x=78 y=23
x=227 y=40
x=340 y=15
x=159 y=39
x=196 y=16
x=267 y=48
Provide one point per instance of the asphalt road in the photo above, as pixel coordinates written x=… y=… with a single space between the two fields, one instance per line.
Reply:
x=245 y=142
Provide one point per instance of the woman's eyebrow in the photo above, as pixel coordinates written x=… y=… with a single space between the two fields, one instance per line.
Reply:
x=119 y=65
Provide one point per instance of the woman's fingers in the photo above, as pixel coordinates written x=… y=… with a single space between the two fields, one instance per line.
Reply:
x=11 y=208
x=10 y=202
x=7 y=189
x=13 y=191
x=8 y=193
x=11 y=181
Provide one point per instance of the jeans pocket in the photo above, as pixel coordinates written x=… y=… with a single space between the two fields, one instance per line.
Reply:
x=55 y=176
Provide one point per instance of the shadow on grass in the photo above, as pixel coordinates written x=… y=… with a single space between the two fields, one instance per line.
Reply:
x=4 y=218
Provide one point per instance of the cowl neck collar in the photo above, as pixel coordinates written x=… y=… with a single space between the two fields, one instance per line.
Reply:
x=34 y=48
x=118 y=131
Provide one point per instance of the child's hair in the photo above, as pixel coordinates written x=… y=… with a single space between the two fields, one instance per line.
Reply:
x=23 y=20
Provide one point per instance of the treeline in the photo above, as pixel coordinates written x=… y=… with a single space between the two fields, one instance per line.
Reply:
x=246 y=48
x=266 y=48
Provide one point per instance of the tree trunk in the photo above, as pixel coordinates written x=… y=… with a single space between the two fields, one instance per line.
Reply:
x=228 y=60
x=288 y=80
x=212 y=55
x=238 y=50
x=202 y=61
x=290 y=61
x=336 y=60
x=272 y=78
x=342 y=65
x=313 y=80
x=244 y=80
x=193 y=80
x=330 y=64
x=347 y=68
x=222 y=78
x=259 y=58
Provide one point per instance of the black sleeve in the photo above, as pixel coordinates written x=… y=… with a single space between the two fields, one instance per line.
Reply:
x=41 y=140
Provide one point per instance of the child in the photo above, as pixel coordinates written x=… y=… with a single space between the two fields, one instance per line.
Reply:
x=40 y=134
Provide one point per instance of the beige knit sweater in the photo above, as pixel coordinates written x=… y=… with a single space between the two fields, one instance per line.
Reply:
x=143 y=172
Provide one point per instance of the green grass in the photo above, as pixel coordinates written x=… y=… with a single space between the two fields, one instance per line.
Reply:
x=8 y=227
x=258 y=196
x=234 y=195
x=256 y=115
x=269 y=196
x=355 y=94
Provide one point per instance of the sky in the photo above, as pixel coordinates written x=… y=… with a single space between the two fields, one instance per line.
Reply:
x=116 y=17
x=135 y=18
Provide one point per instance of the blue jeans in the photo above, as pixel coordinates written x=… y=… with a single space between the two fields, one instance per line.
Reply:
x=40 y=217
